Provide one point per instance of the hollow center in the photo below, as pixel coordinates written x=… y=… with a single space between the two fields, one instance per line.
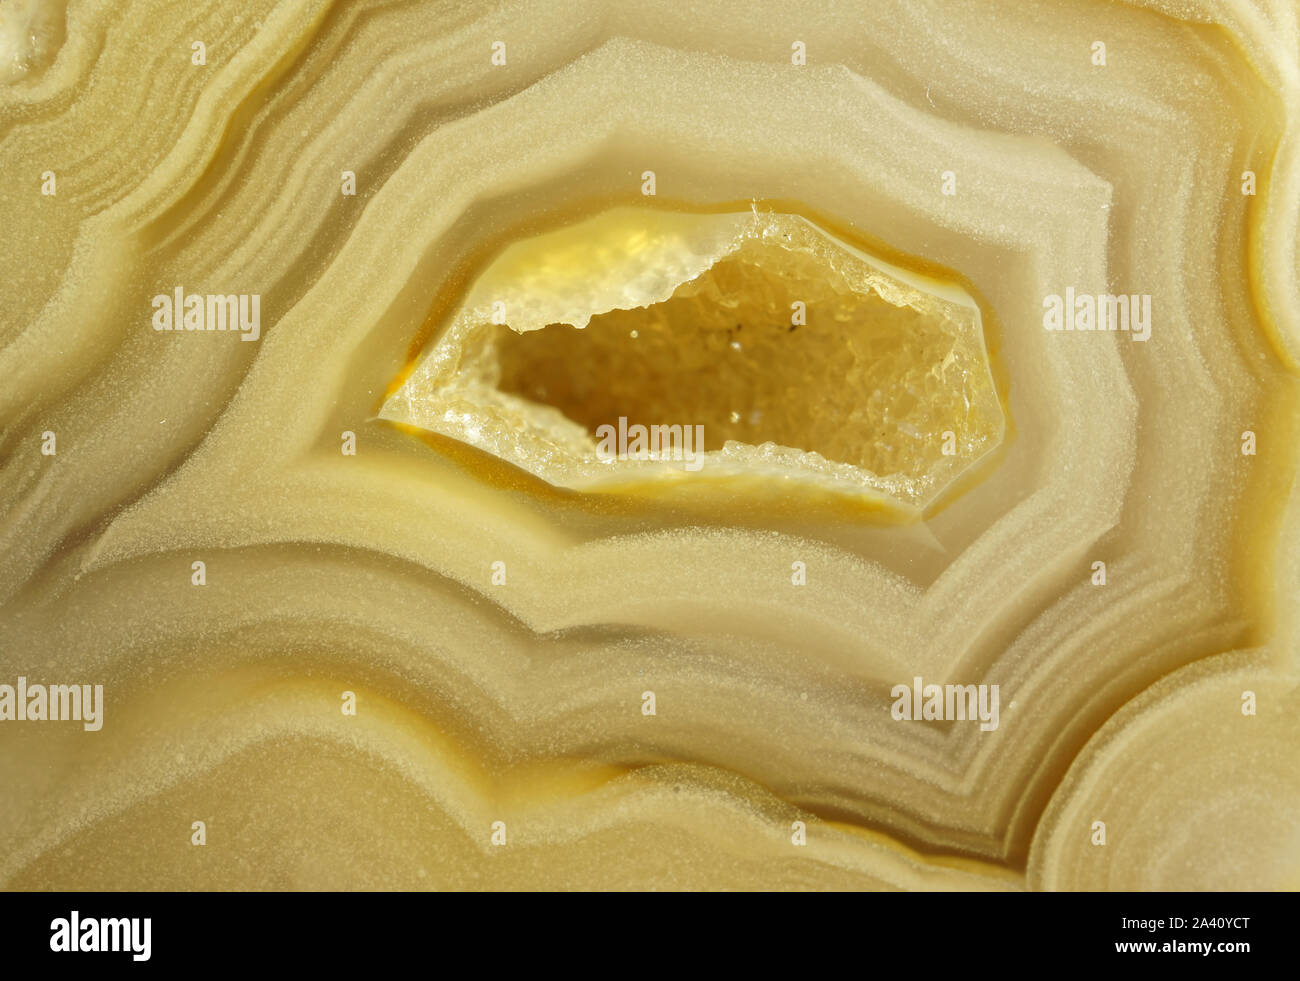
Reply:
x=766 y=346
x=783 y=350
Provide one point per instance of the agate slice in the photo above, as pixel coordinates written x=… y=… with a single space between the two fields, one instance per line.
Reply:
x=350 y=537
